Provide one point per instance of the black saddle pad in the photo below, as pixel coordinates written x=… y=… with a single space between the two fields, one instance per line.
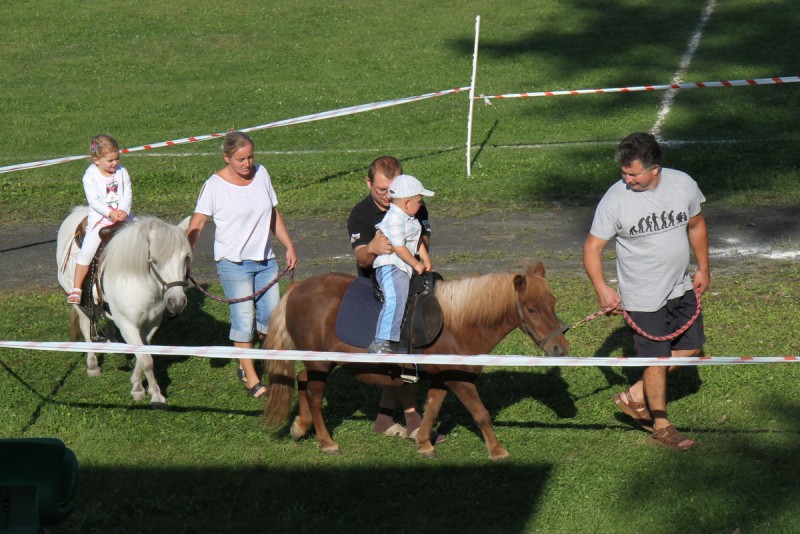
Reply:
x=358 y=314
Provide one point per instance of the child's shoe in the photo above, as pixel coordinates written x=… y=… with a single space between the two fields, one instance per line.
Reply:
x=74 y=296
x=380 y=347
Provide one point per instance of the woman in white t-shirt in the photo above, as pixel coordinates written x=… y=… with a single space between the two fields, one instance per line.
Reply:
x=242 y=202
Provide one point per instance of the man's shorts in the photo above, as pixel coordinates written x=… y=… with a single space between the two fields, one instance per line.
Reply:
x=670 y=318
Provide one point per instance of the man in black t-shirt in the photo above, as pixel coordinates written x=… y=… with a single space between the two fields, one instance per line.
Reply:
x=367 y=244
x=366 y=241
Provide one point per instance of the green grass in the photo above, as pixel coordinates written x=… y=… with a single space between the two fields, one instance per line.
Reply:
x=575 y=460
x=153 y=71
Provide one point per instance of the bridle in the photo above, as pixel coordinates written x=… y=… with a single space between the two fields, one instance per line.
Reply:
x=526 y=327
x=165 y=286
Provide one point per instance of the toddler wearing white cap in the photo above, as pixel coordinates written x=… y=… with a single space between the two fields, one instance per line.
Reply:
x=393 y=271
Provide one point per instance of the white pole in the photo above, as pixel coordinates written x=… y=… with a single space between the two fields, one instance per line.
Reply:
x=472 y=96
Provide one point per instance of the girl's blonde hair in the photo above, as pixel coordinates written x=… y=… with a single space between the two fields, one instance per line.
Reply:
x=102 y=144
x=233 y=141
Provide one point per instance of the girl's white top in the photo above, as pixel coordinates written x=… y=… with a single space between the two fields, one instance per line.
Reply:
x=100 y=200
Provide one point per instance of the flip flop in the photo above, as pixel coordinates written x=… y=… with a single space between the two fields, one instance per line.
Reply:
x=635 y=410
x=241 y=374
x=672 y=439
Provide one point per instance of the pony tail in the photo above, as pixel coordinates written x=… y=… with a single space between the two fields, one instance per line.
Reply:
x=74 y=325
x=281 y=373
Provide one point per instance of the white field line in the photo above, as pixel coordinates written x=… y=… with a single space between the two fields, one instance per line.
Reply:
x=523 y=146
x=694 y=42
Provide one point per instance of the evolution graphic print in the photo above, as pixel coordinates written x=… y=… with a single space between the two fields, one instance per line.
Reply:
x=658 y=223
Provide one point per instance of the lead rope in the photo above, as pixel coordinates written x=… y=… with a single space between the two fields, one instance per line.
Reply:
x=638 y=329
x=249 y=297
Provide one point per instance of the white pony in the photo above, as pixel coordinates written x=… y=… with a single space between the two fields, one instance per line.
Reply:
x=144 y=271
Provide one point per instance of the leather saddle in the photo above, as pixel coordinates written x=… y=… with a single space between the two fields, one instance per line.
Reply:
x=91 y=281
x=359 y=310
x=423 y=318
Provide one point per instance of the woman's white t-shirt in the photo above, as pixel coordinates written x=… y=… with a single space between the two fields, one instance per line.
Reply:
x=242 y=215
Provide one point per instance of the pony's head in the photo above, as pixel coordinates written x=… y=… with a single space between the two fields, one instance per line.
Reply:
x=537 y=311
x=481 y=310
x=155 y=252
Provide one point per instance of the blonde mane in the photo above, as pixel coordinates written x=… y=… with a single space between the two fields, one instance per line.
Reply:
x=483 y=299
x=147 y=237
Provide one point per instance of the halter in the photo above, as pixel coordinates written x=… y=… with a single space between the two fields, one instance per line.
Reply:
x=526 y=327
x=164 y=285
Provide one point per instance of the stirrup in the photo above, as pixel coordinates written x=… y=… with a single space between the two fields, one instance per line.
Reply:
x=408 y=378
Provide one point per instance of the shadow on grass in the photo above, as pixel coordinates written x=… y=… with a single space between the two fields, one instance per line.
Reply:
x=348 y=399
x=758 y=120
x=502 y=388
x=751 y=479
x=494 y=498
x=193 y=327
x=49 y=398
x=362 y=170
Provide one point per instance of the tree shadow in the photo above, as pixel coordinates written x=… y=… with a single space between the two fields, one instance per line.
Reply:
x=322 y=499
x=746 y=115
x=752 y=475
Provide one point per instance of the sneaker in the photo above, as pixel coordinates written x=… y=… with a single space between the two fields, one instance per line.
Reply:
x=380 y=347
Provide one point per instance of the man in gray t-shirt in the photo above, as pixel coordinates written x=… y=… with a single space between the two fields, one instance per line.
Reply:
x=654 y=213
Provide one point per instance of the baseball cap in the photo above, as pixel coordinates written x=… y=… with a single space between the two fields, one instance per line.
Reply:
x=406 y=185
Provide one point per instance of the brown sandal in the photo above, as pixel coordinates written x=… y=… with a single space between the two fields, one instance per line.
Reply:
x=635 y=410
x=258 y=391
x=670 y=437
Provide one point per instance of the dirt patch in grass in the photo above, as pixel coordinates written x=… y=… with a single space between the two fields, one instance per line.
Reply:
x=740 y=240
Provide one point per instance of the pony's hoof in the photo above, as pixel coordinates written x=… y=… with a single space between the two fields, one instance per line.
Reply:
x=94 y=372
x=138 y=395
x=155 y=405
x=500 y=455
x=297 y=432
x=428 y=454
x=332 y=450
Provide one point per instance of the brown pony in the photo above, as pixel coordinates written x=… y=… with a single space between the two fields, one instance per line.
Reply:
x=478 y=313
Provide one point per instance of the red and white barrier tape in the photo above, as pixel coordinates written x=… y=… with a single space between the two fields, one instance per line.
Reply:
x=689 y=85
x=286 y=122
x=440 y=359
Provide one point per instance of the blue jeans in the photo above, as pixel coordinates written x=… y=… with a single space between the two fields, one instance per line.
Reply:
x=394 y=283
x=240 y=279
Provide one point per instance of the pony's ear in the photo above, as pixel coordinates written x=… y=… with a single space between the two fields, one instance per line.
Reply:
x=520 y=282
x=184 y=224
x=538 y=269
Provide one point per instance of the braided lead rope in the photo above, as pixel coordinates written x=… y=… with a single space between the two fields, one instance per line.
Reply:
x=638 y=329
x=249 y=297
x=593 y=316
x=673 y=335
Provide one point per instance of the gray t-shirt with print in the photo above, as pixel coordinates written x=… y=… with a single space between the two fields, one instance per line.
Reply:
x=652 y=242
